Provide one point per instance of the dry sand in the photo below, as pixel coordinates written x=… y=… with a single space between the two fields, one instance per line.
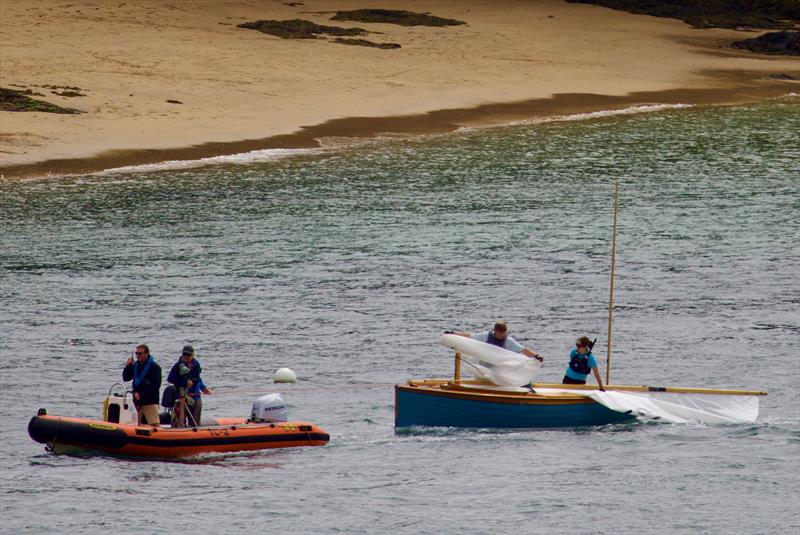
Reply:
x=241 y=90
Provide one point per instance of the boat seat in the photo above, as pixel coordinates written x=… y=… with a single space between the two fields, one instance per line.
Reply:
x=168 y=397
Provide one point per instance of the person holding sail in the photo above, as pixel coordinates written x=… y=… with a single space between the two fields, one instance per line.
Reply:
x=499 y=337
x=581 y=363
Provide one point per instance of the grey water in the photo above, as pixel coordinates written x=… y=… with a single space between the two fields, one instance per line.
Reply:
x=346 y=264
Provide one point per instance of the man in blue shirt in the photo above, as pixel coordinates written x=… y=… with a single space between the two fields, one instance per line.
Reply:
x=581 y=362
x=499 y=337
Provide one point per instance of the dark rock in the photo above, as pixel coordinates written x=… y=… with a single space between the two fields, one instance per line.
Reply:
x=392 y=16
x=298 y=29
x=171 y=101
x=11 y=100
x=777 y=43
x=769 y=14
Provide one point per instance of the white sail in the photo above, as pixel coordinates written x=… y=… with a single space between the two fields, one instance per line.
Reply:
x=514 y=372
x=485 y=361
x=676 y=407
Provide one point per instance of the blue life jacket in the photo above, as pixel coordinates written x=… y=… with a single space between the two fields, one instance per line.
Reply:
x=140 y=372
x=496 y=341
x=580 y=363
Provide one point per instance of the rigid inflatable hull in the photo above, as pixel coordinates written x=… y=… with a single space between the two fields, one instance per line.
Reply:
x=63 y=434
x=430 y=406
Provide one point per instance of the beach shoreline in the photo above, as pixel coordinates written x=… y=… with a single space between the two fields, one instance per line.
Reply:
x=511 y=62
x=560 y=107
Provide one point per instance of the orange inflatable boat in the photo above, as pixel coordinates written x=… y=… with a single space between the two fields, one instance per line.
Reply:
x=72 y=435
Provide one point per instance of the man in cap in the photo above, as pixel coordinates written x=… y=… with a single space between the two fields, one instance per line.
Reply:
x=185 y=375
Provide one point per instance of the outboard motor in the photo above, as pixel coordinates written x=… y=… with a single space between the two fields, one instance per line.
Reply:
x=269 y=408
x=118 y=409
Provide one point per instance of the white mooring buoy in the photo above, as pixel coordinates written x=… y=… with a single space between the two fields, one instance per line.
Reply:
x=284 y=375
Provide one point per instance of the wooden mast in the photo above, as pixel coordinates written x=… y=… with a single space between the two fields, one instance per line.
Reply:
x=611 y=286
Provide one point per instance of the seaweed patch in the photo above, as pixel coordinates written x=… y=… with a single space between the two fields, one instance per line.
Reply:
x=364 y=42
x=11 y=100
x=68 y=93
x=393 y=16
x=299 y=29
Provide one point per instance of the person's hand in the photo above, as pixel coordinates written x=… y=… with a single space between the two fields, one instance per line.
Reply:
x=136 y=396
x=207 y=391
x=533 y=354
x=189 y=383
x=129 y=361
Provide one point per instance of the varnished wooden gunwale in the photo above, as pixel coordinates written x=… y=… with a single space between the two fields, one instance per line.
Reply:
x=512 y=398
x=474 y=386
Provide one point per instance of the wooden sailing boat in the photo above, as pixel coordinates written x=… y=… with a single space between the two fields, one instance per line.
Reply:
x=483 y=404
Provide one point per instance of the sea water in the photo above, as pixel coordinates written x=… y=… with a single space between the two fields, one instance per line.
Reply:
x=346 y=263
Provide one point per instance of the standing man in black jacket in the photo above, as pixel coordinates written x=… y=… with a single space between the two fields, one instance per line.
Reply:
x=146 y=377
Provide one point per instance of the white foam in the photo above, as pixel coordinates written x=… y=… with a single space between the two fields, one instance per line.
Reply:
x=631 y=110
x=643 y=108
x=255 y=156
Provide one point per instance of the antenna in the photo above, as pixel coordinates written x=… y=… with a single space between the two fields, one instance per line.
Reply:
x=611 y=286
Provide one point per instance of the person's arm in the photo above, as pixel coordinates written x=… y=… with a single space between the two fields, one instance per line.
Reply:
x=532 y=354
x=127 y=371
x=516 y=347
x=155 y=377
x=174 y=376
x=599 y=381
x=201 y=387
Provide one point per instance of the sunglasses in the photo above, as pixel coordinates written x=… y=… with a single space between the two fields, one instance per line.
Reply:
x=140 y=352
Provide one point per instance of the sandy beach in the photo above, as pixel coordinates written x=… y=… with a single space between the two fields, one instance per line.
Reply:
x=180 y=80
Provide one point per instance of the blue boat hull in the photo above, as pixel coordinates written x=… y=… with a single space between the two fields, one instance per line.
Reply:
x=429 y=407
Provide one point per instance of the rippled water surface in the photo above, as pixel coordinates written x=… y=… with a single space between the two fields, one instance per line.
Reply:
x=346 y=265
